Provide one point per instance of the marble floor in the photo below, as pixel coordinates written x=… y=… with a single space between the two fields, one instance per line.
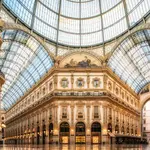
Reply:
x=75 y=147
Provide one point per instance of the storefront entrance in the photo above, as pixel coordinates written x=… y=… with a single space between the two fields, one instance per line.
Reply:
x=50 y=133
x=64 y=133
x=33 y=137
x=80 y=133
x=38 y=135
x=96 y=133
x=117 y=129
x=44 y=133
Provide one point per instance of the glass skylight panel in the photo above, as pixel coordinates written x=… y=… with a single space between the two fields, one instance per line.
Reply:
x=135 y=65
x=52 y=17
x=113 y=15
x=131 y=4
x=44 y=29
x=69 y=25
x=91 y=25
x=115 y=29
x=5 y=46
x=32 y=44
x=139 y=12
x=46 y=15
x=108 y=4
x=9 y=34
x=28 y=3
x=127 y=44
x=21 y=37
x=91 y=38
x=90 y=9
x=52 y=4
x=19 y=10
x=70 y=39
x=70 y=9
x=20 y=70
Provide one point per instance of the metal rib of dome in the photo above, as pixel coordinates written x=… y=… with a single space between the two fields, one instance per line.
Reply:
x=79 y=22
x=24 y=62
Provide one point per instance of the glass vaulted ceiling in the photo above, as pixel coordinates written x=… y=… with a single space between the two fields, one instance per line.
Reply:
x=24 y=62
x=79 y=22
x=131 y=60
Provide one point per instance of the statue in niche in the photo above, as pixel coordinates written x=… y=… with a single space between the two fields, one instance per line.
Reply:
x=86 y=63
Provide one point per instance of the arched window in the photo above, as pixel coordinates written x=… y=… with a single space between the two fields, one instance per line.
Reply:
x=38 y=95
x=64 y=127
x=109 y=127
x=117 y=129
x=96 y=127
x=44 y=91
x=80 y=127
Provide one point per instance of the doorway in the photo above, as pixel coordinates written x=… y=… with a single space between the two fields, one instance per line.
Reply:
x=64 y=133
x=80 y=133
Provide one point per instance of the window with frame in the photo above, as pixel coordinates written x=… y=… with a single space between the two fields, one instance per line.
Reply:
x=50 y=115
x=50 y=86
x=117 y=91
x=44 y=91
x=64 y=112
x=127 y=99
x=96 y=115
x=29 y=101
x=33 y=98
x=80 y=115
x=38 y=95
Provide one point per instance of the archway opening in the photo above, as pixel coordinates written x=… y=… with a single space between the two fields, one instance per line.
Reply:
x=146 y=121
x=109 y=127
x=80 y=133
x=122 y=129
x=64 y=133
x=33 y=132
x=50 y=133
x=38 y=135
x=117 y=129
x=96 y=133
x=44 y=133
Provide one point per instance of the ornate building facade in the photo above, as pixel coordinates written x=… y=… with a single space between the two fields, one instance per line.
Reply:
x=80 y=100
x=74 y=70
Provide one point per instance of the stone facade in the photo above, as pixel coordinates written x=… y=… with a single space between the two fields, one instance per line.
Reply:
x=73 y=105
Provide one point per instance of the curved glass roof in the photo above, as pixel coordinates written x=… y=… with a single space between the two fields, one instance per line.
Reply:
x=131 y=60
x=24 y=62
x=79 y=22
